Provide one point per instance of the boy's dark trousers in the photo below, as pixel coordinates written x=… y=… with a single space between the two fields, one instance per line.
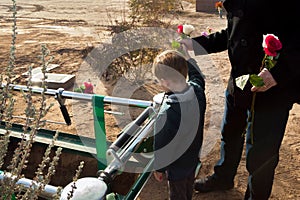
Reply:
x=182 y=189
x=262 y=156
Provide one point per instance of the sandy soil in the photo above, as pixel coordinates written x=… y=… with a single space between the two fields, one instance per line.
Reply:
x=72 y=30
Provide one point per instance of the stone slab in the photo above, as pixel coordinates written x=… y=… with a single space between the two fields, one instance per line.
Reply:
x=39 y=69
x=54 y=81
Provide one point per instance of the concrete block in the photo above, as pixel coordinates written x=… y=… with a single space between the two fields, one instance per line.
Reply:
x=54 y=81
x=39 y=69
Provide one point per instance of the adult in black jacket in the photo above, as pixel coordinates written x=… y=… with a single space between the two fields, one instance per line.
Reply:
x=247 y=22
x=179 y=125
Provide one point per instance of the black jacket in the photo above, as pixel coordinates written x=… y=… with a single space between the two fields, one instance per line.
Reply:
x=179 y=128
x=247 y=22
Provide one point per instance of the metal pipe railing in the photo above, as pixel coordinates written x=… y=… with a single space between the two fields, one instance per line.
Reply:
x=48 y=192
x=129 y=131
x=119 y=153
x=82 y=96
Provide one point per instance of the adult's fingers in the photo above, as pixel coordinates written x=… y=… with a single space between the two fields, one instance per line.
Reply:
x=268 y=79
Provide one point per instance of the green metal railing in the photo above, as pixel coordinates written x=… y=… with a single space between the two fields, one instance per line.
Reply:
x=98 y=102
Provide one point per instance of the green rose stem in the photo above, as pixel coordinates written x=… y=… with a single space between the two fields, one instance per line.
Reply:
x=252 y=116
x=271 y=47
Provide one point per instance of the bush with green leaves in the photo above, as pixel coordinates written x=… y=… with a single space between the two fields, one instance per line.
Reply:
x=150 y=11
x=34 y=112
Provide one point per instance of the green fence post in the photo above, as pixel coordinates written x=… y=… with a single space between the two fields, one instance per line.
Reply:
x=99 y=128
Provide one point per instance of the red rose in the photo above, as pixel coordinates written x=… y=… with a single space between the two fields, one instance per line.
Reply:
x=272 y=45
x=180 y=29
x=89 y=88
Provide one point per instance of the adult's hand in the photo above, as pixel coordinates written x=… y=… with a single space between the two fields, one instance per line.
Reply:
x=268 y=80
x=188 y=43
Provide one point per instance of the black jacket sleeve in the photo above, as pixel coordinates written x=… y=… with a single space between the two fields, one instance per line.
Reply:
x=195 y=74
x=213 y=43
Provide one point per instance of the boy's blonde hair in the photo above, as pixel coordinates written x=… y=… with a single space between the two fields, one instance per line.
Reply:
x=170 y=65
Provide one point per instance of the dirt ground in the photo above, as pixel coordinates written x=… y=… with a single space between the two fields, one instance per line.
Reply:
x=72 y=30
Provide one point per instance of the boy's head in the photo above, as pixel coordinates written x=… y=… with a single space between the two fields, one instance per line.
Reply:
x=170 y=67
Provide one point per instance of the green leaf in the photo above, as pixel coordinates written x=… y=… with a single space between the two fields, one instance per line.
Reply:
x=184 y=36
x=241 y=81
x=77 y=90
x=272 y=64
x=256 y=80
x=175 y=45
x=82 y=87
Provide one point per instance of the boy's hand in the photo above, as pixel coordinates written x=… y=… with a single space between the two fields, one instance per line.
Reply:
x=158 y=176
x=188 y=43
x=184 y=50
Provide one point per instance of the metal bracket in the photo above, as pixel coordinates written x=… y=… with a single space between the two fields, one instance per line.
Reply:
x=63 y=108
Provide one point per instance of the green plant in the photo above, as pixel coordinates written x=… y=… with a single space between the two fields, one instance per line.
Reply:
x=6 y=97
x=19 y=162
x=34 y=112
x=147 y=13
x=151 y=12
x=75 y=178
x=135 y=66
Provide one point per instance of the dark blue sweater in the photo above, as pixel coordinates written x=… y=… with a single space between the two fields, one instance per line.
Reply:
x=179 y=128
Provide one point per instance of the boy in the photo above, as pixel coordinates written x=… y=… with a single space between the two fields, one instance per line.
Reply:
x=179 y=126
